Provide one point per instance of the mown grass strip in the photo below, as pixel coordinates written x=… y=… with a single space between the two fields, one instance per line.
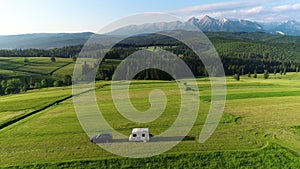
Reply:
x=24 y=116
x=51 y=73
x=272 y=156
x=21 y=117
x=255 y=95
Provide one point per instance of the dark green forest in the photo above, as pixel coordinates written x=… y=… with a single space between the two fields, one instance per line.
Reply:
x=240 y=53
x=64 y=52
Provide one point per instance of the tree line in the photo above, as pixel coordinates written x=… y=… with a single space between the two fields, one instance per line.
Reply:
x=233 y=63
x=17 y=85
x=64 y=52
x=239 y=55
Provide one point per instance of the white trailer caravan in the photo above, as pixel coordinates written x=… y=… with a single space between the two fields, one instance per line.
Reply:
x=140 y=134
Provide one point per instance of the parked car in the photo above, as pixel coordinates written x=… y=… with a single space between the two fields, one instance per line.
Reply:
x=140 y=135
x=102 y=138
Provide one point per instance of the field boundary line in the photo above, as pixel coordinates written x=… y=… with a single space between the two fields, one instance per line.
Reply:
x=51 y=73
x=25 y=116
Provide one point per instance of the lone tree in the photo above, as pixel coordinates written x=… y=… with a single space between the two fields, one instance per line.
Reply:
x=26 y=60
x=237 y=76
x=31 y=82
x=13 y=86
x=44 y=83
x=68 y=80
x=255 y=74
x=266 y=74
x=25 y=87
x=74 y=58
x=37 y=85
x=3 y=84
x=57 y=83
x=53 y=59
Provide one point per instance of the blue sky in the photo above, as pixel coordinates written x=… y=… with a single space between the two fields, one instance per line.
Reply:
x=36 y=16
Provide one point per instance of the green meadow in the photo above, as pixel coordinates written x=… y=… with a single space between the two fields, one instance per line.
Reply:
x=259 y=129
x=37 y=67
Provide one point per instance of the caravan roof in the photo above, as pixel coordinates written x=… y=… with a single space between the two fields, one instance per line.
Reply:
x=136 y=130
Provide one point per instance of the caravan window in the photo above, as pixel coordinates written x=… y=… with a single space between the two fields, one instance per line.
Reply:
x=143 y=135
x=133 y=135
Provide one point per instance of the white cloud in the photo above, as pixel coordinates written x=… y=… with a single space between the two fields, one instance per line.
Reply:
x=286 y=7
x=221 y=6
x=255 y=10
x=249 y=14
x=228 y=14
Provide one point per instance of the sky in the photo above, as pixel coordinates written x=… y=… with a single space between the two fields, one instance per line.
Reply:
x=53 y=16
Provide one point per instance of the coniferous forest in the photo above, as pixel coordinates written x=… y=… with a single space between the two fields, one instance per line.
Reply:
x=240 y=53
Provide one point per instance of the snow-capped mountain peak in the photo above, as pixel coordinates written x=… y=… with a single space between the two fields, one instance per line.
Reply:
x=292 y=22
x=223 y=20
x=290 y=27
x=193 y=20
x=281 y=33
x=207 y=20
x=209 y=24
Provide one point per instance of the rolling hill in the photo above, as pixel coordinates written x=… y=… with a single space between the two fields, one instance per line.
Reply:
x=43 y=40
x=205 y=24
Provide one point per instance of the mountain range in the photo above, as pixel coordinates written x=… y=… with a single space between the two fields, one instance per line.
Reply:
x=209 y=24
x=43 y=40
x=50 y=40
x=206 y=24
x=289 y=28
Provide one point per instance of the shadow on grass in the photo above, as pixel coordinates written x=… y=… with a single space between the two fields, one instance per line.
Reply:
x=158 y=139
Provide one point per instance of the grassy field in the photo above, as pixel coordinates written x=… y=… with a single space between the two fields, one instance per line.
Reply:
x=41 y=67
x=259 y=128
x=36 y=67
x=13 y=106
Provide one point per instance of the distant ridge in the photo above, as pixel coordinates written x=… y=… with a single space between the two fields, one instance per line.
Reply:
x=206 y=24
x=209 y=24
x=43 y=40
